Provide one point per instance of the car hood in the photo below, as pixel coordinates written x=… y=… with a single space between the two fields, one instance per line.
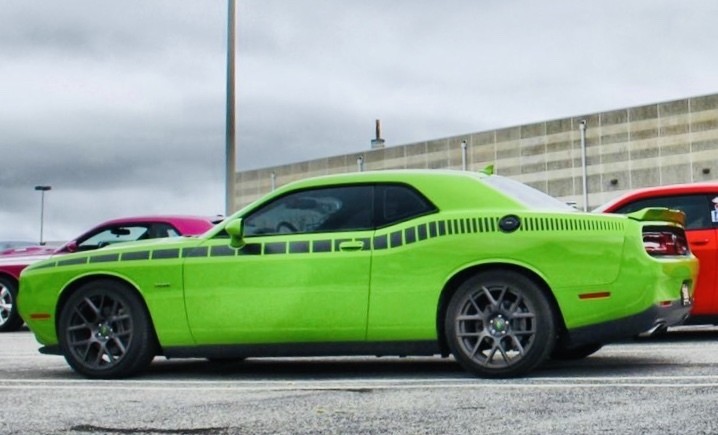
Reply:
x=22 y=260
x=27 y=252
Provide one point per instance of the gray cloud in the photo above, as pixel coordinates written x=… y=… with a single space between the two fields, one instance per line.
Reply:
x=121 y=105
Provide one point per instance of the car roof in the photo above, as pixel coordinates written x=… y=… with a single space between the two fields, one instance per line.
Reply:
x=160 y=218
x=185 y=224
x=381 y=176
x=384 y=175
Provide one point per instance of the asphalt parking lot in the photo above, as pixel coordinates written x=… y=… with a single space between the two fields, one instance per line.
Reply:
x=664 y=385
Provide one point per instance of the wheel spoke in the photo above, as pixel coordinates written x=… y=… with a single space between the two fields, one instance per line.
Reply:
x=118 y=318
x=80 y=343
x=474 y=303
x=517 y=345
x=517 y=303
x=79 y=311
x=86 y=351
x=120 y=345
x=489 y=296
x=99 y=358
x=476 y=348
x=502 y=295
x=95 y=309
x=79 y=327
x=492 y=353
x=526 y=332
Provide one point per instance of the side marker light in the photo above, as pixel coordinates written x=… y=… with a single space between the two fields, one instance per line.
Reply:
x=596 y=295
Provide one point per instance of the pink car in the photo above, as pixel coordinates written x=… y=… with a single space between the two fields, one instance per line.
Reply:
x=13 y=261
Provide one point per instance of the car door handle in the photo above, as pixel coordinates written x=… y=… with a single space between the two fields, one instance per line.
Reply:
x=356 y=245
x=699 y=242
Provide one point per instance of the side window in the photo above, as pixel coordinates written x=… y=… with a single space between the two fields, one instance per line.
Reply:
x=400 y=202
x=344 y=208
x=696 y=207
x=160 y=230
x=118 y=234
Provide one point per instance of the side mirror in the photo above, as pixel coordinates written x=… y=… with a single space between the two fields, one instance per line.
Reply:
x=70 y=246
x=235 y=229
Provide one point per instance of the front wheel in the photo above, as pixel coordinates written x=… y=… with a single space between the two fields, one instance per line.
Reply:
x=105 y=332
x=10 y=319
x=499 y=324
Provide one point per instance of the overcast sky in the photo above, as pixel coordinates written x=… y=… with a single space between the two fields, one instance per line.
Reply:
x=120 y=106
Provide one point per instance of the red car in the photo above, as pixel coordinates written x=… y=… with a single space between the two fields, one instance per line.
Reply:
x=699 y=201
x=109 y=232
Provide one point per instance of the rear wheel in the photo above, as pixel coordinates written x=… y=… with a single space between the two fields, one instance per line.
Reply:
x=499 y=324
x=10 y=319
x=105 y=332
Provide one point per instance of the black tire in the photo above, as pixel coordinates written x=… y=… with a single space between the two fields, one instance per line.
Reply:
x=10 y=319
x=568 y=354
x=499 y=324
x=105 y=331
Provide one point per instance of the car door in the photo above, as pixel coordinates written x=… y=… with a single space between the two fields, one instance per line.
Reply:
x=701 y=222
x=302 y=276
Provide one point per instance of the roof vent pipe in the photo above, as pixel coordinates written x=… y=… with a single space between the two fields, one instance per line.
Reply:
x=377 y=142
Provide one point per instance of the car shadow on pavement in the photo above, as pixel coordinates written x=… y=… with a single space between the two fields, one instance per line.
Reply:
x=301 y=368
x=292 y=369
x=684 y=334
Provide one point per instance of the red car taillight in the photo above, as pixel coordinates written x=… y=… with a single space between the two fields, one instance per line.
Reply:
x=665 y=242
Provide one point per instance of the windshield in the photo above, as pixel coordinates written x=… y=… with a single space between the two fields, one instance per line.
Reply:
x=526 y=194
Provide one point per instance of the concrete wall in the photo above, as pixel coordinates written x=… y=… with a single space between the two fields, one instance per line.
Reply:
x=656 y=144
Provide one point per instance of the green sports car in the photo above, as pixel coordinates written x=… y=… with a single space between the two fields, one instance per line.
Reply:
x=481 y=267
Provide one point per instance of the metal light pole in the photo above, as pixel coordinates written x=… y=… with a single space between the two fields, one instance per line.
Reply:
x=42 y=190
x=584 y=175
x=230 y=134
x=463 y=155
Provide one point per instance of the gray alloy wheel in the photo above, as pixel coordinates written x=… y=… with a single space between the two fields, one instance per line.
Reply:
x=499 y=324
x=10 y=319
x=105 y=332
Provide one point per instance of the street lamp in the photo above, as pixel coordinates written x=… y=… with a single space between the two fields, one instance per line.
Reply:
x=230 y=135
x=42 y=190
x=584 y=172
